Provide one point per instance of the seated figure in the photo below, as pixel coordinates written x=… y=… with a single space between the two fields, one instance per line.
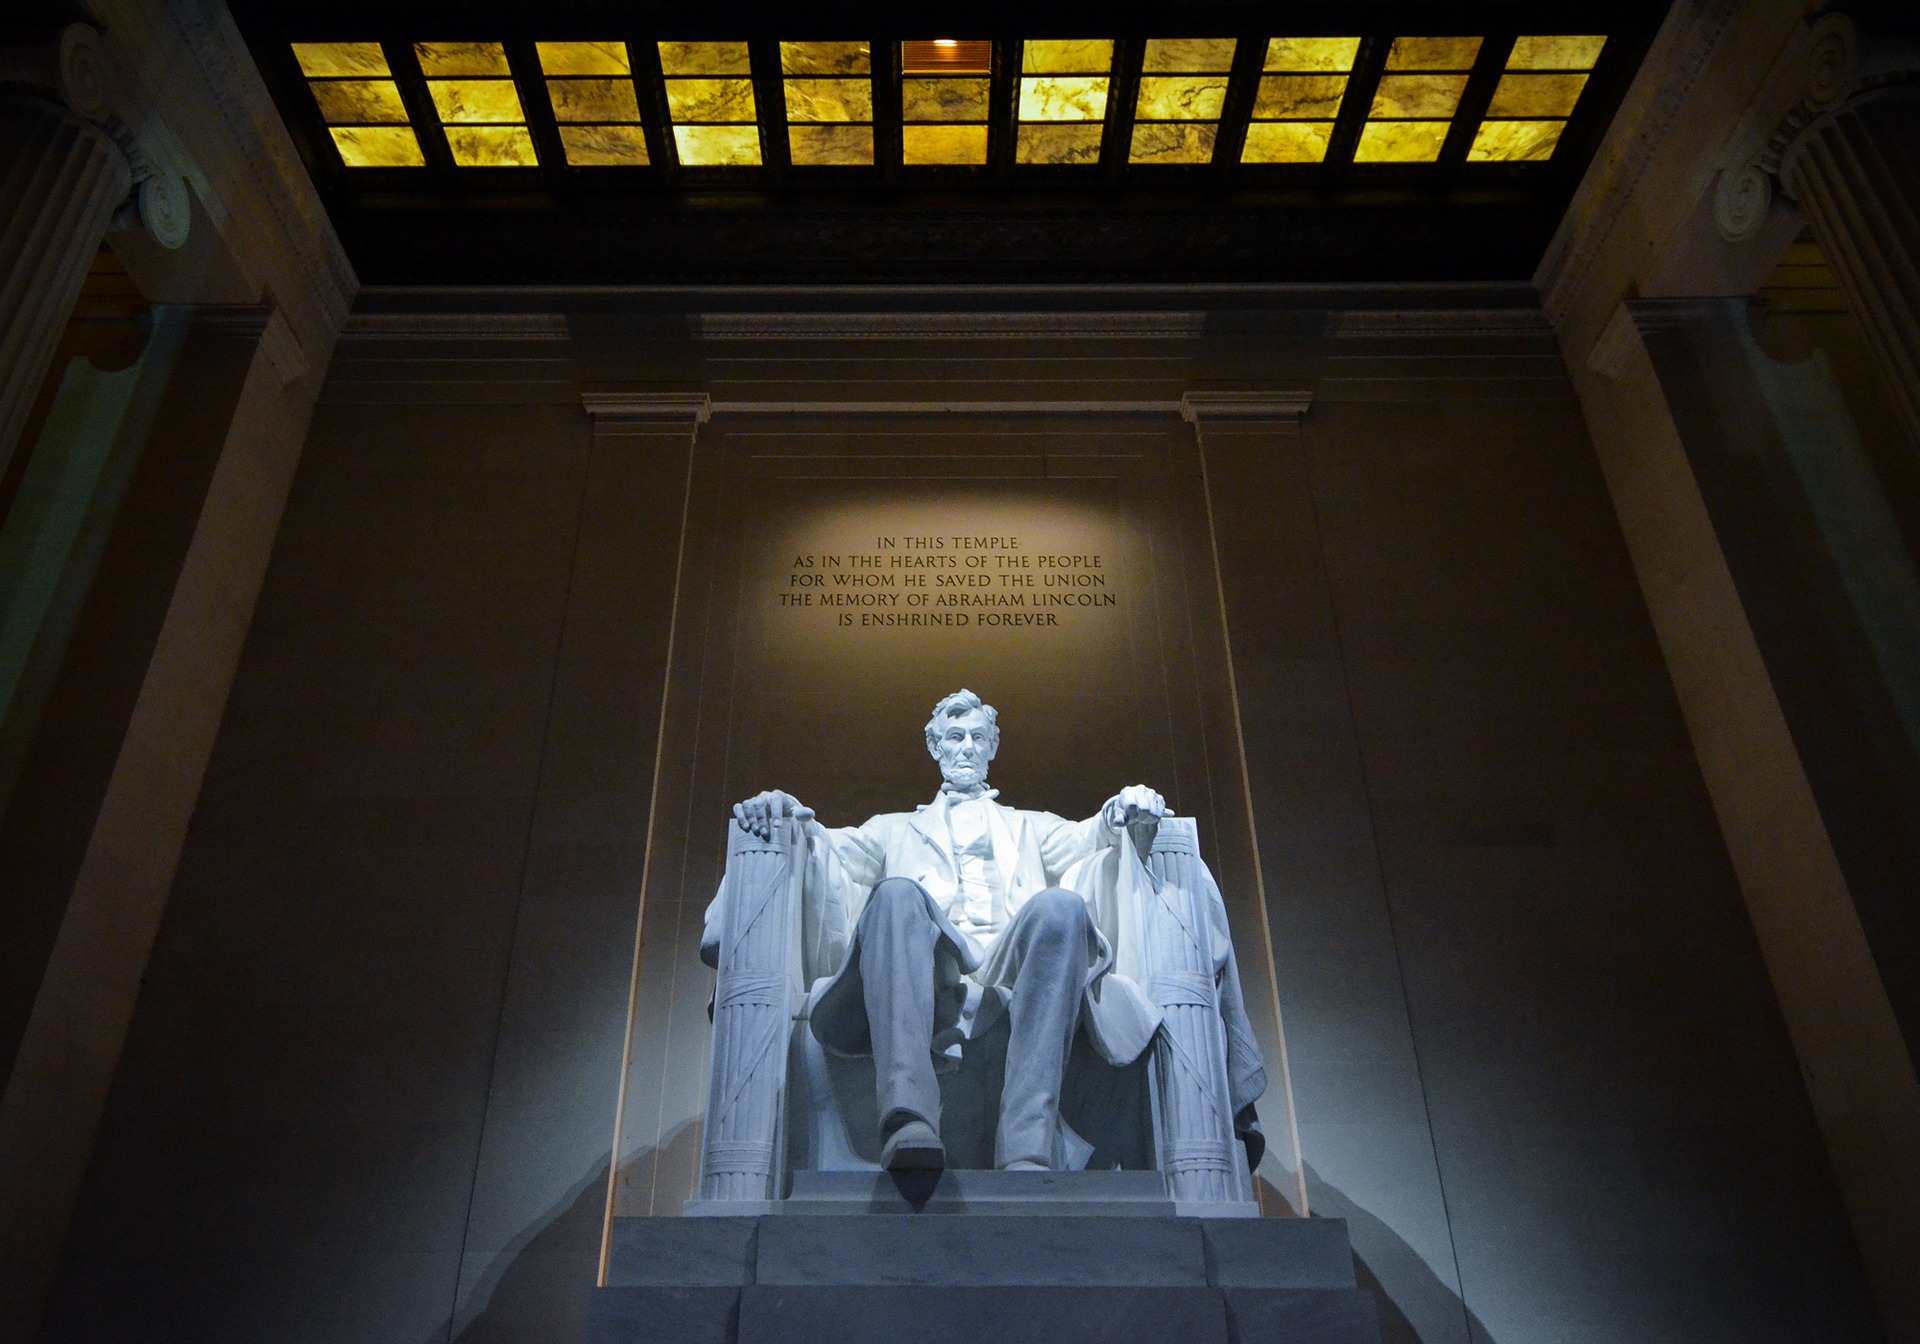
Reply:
x=935 y=924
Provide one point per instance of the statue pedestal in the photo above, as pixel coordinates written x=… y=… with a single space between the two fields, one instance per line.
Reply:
x=962 y=1266
x=1015 y=1194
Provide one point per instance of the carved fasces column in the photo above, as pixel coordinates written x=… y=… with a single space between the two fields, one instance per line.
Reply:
x=1193 y=1102
x=1848 y=155
x=67 y=164
x=752 y=1014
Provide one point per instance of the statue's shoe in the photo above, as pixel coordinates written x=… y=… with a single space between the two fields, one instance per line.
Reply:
x=1026 y=1164
x=915 y=1146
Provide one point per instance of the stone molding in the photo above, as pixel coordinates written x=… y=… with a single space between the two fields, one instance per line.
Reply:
x=1440 y=322
x=948 y=326
x=651 y=410
x=1288 y=405
x=456 y=326
x=615 y=407
x=1612 y=356
x=1334 y=324
x=946 y=407
x=280 y=351
x=244 y=321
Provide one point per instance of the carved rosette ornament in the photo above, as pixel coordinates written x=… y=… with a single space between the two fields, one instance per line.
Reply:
x=69 y=166
x=1847 y=156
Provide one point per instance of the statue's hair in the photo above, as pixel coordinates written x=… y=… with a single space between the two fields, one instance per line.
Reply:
x=952 y=707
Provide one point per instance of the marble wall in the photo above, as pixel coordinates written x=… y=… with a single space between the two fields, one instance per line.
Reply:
x=369 y=1089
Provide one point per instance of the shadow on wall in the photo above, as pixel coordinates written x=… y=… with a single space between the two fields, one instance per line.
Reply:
x=1416 y=1292
x=541 y=1283
x=538 y=1285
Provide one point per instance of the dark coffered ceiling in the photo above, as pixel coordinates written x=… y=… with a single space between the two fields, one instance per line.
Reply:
x=1218 y=141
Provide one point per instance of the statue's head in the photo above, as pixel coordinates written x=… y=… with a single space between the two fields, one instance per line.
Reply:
x=963 y=736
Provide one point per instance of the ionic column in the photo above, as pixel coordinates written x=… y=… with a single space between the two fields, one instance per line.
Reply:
x=1856 y=175
x=61 y=179
x=1847 y=154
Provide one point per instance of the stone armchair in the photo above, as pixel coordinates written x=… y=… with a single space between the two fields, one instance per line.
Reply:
x=777 y=1103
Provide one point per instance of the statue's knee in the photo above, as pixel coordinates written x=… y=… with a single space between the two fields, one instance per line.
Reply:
x=1059 y=908
x=897 y=893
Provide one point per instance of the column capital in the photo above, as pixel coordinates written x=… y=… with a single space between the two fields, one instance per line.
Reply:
x=651 y=410
x=72 y=69
x=1831 y=68
x=69 y=65
x=1290 y=405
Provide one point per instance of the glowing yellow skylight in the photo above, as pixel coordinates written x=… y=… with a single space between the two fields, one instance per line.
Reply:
x=590 y=85
x=1183 y=87
x=1416 y=98
x=1555 y=53
x=1433 y=53
x=340 y=60
x=1063 y=100
x=1538 y=91
x=829 y=95
x=710 y=100
x=374 y=101
x=704 y=58
x=943 y=101
x=1325 y=55
x=439 y=60
x=354 y=89
x=473 y=92
x=1302 y=82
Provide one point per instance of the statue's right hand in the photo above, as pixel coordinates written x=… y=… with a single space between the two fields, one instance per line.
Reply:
x=758 y=814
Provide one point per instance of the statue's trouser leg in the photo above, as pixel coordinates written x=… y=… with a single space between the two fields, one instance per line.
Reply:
x=897 y=938
x=1049 y=940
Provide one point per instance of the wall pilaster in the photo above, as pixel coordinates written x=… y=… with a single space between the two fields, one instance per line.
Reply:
x=1745 y=123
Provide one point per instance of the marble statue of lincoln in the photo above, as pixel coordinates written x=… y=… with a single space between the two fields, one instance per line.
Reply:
x=959 y=911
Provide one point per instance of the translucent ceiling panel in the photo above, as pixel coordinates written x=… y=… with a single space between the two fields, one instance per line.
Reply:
x=590 y=85
x=1416 y=98
x=1063 y=100
x=1183 y=87
x=944 y=90
x=1302 y=82
x=709 y=90
x=829 y=95
x=1542 y=83
x=358 y=99
x=473 y=92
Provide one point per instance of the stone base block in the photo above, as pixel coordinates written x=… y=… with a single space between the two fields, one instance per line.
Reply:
x=836 y=1314
x=1045 y=1275
x=1086 y=1194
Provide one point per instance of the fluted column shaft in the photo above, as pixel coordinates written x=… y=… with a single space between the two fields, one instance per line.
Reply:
x=61 y=178
x=1856 y=175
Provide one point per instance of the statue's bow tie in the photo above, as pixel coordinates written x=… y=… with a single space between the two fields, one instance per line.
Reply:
x=963 y=795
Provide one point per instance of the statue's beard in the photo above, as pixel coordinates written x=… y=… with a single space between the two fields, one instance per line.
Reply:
x=962 y=780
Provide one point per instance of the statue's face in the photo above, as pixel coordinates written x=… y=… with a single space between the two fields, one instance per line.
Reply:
x=964 y=749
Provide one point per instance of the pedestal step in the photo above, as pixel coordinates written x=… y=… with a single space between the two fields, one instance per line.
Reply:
x=1043 y=1277
x=1086 y=1194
